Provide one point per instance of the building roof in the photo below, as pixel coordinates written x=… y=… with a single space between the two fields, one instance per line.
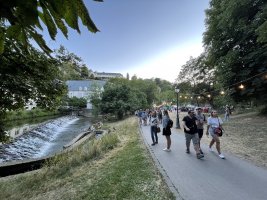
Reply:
x=74 y=85
x=108 y=74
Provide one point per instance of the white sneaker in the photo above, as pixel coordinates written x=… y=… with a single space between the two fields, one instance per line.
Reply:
x=166 y=149
x=210 y=149
x=221 y=156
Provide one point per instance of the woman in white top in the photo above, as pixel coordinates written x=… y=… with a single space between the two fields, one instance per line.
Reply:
x=214 y=122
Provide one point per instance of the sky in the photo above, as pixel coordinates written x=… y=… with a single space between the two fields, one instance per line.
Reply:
x=146 y=38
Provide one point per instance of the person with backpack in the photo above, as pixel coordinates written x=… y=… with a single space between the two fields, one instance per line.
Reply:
x=167 y=125
x=201 y=119
x=190 y=130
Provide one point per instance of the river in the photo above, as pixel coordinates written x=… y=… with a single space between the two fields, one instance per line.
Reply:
x=42 y=139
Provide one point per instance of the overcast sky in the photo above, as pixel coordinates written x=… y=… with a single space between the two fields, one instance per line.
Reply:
x=147 y=38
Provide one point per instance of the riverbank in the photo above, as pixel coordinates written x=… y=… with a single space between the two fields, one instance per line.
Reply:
x=116 y=167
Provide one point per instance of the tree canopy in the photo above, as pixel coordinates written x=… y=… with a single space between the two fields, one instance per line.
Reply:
x=235 y=53
x=31 y=75
x=21 y=21
x=236 y=43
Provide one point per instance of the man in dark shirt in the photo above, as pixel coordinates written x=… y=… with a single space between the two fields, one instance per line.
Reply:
x=190 y=130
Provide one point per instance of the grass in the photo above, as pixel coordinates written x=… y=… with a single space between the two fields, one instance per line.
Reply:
x=28 y=114
x=246 y=137
x=117 y=166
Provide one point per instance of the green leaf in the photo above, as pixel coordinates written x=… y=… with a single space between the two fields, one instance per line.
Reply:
x=13 y=31
x=40 y=41
x=58 y=21
x=50 y=24
x=2 y=40
x=85 y=17
x=262 y=32
x=70 y=15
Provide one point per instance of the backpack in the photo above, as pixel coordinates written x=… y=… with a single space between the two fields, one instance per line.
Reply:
x=170 y=123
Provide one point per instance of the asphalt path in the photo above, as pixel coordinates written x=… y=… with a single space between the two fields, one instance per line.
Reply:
x=209 y=178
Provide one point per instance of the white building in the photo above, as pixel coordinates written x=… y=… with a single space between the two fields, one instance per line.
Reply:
x=84 y=89
x=107 y=76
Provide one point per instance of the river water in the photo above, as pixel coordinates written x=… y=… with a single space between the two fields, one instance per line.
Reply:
x=46 y=138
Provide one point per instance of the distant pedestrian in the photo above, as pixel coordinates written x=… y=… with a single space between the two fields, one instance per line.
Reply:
x=227 y=113
x=159 y=112
x=166 y=130
x=140 y=116
x=153 y=128
x=201 y=119
x=214 y=122
x=144 y=117
x=190 y=130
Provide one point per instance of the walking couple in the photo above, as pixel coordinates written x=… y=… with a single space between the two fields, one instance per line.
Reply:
x=193 y=128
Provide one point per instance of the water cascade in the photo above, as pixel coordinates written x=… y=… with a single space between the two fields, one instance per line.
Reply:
x=46 y=139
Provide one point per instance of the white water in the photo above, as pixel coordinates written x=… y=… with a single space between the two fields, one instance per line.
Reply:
x=37 y=142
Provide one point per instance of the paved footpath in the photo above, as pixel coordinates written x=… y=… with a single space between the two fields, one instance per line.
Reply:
x=210 y=178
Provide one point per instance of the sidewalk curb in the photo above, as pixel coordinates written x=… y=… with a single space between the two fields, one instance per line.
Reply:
x=167 y=179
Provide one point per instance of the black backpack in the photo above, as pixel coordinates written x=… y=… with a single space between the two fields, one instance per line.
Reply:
x=170 y=123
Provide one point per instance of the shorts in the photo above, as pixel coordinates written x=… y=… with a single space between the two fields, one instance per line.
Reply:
x=166 y=131
x=200 y=133
x=193 y=137
x=211 y=132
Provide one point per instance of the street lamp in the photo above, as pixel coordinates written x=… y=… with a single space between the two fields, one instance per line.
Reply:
x=177 y=90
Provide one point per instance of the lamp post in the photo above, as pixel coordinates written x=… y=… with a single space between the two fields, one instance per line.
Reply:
x=177 y=90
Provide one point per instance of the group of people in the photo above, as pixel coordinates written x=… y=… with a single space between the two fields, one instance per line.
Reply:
x=193 y=125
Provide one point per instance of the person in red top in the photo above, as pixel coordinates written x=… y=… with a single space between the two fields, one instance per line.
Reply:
x=191 y=133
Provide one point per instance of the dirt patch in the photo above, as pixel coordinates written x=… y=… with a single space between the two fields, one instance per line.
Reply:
x=245 y=136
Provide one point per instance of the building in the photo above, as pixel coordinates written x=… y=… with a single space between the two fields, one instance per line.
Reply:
x=106 y=76
x=84 y=89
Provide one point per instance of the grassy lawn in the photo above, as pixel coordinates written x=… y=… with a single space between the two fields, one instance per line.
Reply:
x=117 y=166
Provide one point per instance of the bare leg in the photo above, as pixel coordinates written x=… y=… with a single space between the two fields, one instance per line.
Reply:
x=218 y=147
x=211 y=142
x=168 y=137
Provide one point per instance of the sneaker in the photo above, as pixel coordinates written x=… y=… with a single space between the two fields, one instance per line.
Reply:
x=210 y=149
x=166 y=149
x=221 y=156
x=156 y=142
x=199 y=155
x=152 y=144
x=187 y=151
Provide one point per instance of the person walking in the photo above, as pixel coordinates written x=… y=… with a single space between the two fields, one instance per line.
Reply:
x=153 y=128
x=214 y=122
x=201 y=119
x=166 y=130
x=159 y=112
x=190 y=130
x=227 y=113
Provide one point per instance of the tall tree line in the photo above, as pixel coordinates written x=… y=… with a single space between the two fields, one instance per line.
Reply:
x=235 y=44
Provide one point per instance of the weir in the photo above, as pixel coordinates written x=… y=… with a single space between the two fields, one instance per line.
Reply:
x=44 y=140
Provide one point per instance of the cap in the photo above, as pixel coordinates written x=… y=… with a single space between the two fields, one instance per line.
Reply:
x=190 y=111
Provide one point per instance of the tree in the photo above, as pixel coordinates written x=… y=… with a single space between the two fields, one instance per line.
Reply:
x=196 y=80
x=236 y=43
x=120 y=98
x=31 y=75
x=77 y=102
x=71 y=65
x=20 y=20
